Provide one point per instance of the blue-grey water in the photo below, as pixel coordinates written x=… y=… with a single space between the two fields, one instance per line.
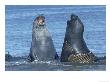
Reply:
x=19 y=20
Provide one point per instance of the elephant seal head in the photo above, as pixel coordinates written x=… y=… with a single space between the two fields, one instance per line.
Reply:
x=75 y=24
x=39 y=21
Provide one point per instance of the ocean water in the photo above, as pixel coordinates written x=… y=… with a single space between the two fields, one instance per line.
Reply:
x=19 y=20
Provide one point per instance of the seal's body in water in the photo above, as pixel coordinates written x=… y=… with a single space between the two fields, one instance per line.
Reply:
x=42 y=48
x=74 y=47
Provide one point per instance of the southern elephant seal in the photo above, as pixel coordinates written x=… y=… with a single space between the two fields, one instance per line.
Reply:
x=74 y=47
x=42 y=48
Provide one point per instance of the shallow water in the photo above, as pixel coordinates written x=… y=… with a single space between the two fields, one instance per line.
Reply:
x=19 y=30
x=23 y=65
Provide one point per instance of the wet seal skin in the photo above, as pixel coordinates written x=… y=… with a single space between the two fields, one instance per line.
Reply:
x=74 y=47
x=42 y=48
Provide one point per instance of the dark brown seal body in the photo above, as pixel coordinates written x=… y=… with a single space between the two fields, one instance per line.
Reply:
x=74 y=47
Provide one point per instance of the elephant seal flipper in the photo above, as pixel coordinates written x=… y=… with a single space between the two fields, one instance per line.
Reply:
x=42 y=48
x=74 y=47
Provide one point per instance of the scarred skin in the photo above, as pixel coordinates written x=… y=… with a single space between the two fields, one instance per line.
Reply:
x=74 y=43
